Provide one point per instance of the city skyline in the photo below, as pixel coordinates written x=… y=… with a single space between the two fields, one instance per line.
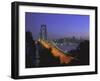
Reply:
x=58 y=25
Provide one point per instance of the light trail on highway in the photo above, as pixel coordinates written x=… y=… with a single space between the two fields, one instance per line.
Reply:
x=64 y=59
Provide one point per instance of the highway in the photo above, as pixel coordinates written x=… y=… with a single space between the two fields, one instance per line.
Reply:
x=56 y=52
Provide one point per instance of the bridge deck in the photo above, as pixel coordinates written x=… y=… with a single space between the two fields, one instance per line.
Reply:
x=57 y=53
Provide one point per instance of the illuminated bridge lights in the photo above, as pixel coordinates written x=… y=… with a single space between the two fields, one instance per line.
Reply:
x=64 y=59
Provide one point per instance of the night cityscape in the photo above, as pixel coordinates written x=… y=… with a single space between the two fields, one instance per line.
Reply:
x=56 y=40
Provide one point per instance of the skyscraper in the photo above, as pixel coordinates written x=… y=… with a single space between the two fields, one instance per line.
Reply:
x=43 y=32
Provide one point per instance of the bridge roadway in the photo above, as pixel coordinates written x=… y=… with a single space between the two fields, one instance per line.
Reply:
x=57 y=53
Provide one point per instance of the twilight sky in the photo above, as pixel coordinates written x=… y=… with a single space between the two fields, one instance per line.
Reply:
x=58 y=25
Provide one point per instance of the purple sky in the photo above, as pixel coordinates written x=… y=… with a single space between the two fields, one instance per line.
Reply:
x=58 y=25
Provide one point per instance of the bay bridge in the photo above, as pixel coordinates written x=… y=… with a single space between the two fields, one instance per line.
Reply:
x=49 y=45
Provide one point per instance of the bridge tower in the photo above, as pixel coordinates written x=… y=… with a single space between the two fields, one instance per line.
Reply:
x=43 y=32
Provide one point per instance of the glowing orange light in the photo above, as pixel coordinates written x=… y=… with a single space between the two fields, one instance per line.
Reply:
x=64 y=59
